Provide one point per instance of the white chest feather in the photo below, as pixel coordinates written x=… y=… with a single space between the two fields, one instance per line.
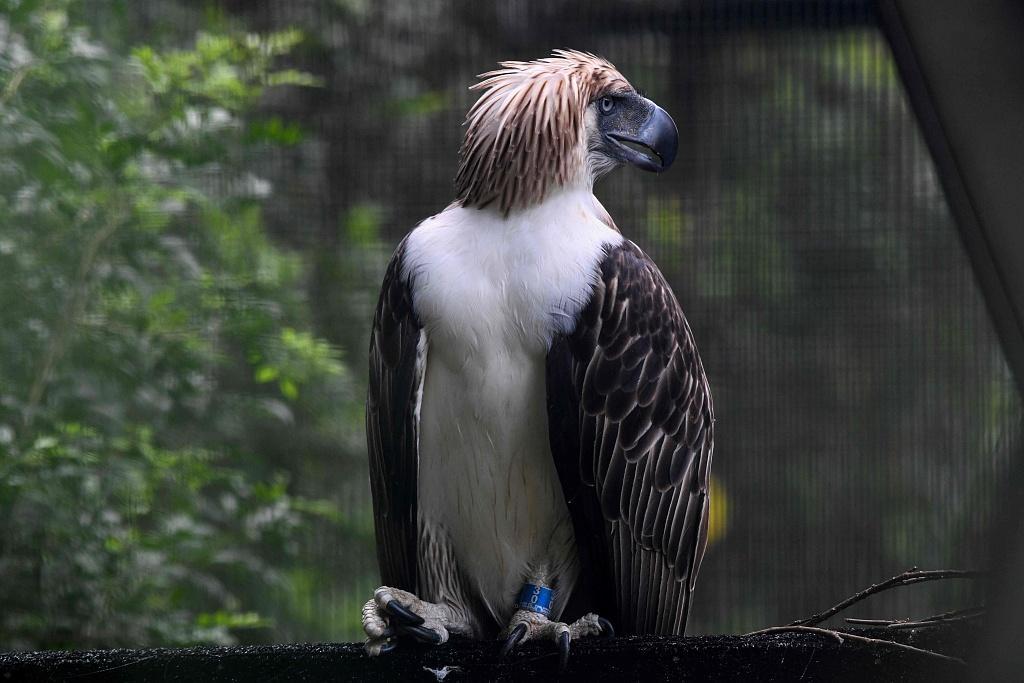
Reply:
x=491 y=294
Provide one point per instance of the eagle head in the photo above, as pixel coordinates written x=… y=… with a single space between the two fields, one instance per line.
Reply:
x=560 y=121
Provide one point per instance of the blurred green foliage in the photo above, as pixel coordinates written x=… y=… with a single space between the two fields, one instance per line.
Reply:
x=151 y=333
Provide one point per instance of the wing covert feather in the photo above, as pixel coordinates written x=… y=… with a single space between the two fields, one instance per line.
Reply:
x=634 y=456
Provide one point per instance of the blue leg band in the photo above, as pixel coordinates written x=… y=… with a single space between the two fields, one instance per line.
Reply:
x=535 y=599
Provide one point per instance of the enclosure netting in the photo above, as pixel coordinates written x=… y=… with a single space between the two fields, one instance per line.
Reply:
x=864 y=408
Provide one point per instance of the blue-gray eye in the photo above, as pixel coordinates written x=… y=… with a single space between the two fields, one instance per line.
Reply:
x=607 y=104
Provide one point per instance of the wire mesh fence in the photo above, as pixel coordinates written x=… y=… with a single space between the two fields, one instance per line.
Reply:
x=865 y=413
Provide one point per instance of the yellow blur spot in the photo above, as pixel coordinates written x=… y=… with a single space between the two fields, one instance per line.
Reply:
x=718 y=513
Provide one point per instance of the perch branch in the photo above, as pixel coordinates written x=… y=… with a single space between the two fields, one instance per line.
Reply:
x=911 y=576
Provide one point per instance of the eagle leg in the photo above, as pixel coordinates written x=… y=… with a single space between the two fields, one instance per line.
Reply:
x=528 y=625
x=392 y=613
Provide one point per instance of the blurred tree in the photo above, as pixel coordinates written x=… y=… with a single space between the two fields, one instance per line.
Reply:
x=152 y=335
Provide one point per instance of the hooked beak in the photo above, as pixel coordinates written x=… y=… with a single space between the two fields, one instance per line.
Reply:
x=654 y=144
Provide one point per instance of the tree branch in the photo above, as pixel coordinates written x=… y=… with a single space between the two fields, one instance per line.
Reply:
x=783 y=657
x=842 y=636
x=946 y=617
x=911 y=576
x=74 y=305
x=12 y=85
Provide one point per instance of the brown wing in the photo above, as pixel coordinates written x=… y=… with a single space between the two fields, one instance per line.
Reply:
x=631 y=433
x=391 y=426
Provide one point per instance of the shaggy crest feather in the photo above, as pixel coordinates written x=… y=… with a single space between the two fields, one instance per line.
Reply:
x=525 y=134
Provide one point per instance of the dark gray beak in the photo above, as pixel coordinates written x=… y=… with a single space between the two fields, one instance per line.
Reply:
x=654 y=144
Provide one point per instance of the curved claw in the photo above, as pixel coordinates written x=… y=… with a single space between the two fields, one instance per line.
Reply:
x=420 y=633
x=389 y=645
x=563 y=650
x=607 y=630
x=403 y=614
x=513 y=639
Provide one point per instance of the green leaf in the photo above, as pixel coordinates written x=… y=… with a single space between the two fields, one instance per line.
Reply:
x=289 y=389
x=267 y=373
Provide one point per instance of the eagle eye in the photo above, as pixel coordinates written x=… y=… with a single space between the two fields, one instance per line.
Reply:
x=607 y=104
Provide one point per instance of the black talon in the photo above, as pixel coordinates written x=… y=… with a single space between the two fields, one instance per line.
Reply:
x=513 y=639
x=563 y=650
x=403 y=614
x=607 y=630
x=420 y=633
x=388 y=646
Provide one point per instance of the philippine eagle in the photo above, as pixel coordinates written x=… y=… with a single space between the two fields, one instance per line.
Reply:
x=539 y=422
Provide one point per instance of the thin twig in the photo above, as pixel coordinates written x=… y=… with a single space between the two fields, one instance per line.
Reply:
x=115 y=667
x=12 y=85
x=808 y=664
x=871 y=622
x=944 y=618
x=947 y=618
x=911 y=576
x=74 y=306
x=842 y=636
x=977 y=610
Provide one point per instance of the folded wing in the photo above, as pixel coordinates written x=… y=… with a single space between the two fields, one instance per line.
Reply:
x=396 y=377
x=631 y=426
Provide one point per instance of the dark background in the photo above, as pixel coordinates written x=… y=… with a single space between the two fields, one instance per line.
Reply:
x=865 y=412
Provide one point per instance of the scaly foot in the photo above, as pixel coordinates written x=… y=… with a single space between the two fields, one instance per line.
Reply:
x=527 y=625
x=393 y=612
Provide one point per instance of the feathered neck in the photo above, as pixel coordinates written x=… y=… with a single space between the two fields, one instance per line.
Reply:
x=526 y=134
